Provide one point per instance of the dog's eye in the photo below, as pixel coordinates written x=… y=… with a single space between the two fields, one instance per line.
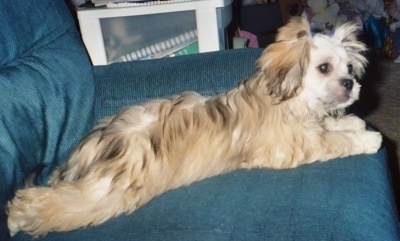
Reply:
x=350 y=68
x=323 y=68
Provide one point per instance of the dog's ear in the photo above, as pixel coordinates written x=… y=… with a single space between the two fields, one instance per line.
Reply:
x=347 y=34
x=285 y=61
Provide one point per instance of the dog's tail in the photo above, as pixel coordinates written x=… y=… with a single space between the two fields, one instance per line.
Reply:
x=71 y=205
x=110 y=173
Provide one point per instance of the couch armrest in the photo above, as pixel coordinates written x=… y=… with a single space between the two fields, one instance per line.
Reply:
x=123 y=84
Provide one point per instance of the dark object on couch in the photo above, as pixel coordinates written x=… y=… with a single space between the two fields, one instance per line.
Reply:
x=50 y=96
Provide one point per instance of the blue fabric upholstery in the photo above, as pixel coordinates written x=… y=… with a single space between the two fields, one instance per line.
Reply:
x=123 y=84
x=46 y=91
x=47 y=100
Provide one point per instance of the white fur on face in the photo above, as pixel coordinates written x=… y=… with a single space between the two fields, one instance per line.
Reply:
x=324 y=91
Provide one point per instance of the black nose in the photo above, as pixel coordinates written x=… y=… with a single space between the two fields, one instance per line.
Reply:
x=347 y=83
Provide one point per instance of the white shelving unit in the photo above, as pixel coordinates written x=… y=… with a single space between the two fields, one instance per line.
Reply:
x=212 y=16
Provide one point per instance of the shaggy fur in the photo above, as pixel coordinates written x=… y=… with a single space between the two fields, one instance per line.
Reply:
x=287 y=114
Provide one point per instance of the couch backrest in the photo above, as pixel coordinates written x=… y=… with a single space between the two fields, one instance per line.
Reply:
x=46 y=91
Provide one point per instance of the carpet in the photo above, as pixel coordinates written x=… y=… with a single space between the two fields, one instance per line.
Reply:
x=379 y=105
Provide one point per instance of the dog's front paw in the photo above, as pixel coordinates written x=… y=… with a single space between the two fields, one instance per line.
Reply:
x=345 y=123
x=370 y=141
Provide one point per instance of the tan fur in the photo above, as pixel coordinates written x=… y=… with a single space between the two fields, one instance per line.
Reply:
x=276 y=118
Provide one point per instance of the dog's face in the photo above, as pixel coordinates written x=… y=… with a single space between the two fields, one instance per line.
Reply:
x=322 y=69
x=330 y=80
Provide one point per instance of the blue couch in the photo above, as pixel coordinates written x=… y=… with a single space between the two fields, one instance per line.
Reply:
x=50 y=96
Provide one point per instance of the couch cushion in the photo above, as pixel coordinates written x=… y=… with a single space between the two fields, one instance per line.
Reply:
x=46 y=91
x=121 y=84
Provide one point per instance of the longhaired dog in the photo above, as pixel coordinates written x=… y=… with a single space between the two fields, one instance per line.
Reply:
x=289 y=113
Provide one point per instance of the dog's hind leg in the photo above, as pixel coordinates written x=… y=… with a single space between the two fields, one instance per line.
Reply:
x=83 y=156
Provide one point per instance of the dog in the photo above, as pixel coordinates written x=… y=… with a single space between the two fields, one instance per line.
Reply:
x=289 y=113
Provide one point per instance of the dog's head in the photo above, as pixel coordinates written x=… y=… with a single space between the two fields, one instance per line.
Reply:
x=320 y=68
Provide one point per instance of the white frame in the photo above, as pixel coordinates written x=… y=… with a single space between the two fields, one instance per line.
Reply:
x=207 y=21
